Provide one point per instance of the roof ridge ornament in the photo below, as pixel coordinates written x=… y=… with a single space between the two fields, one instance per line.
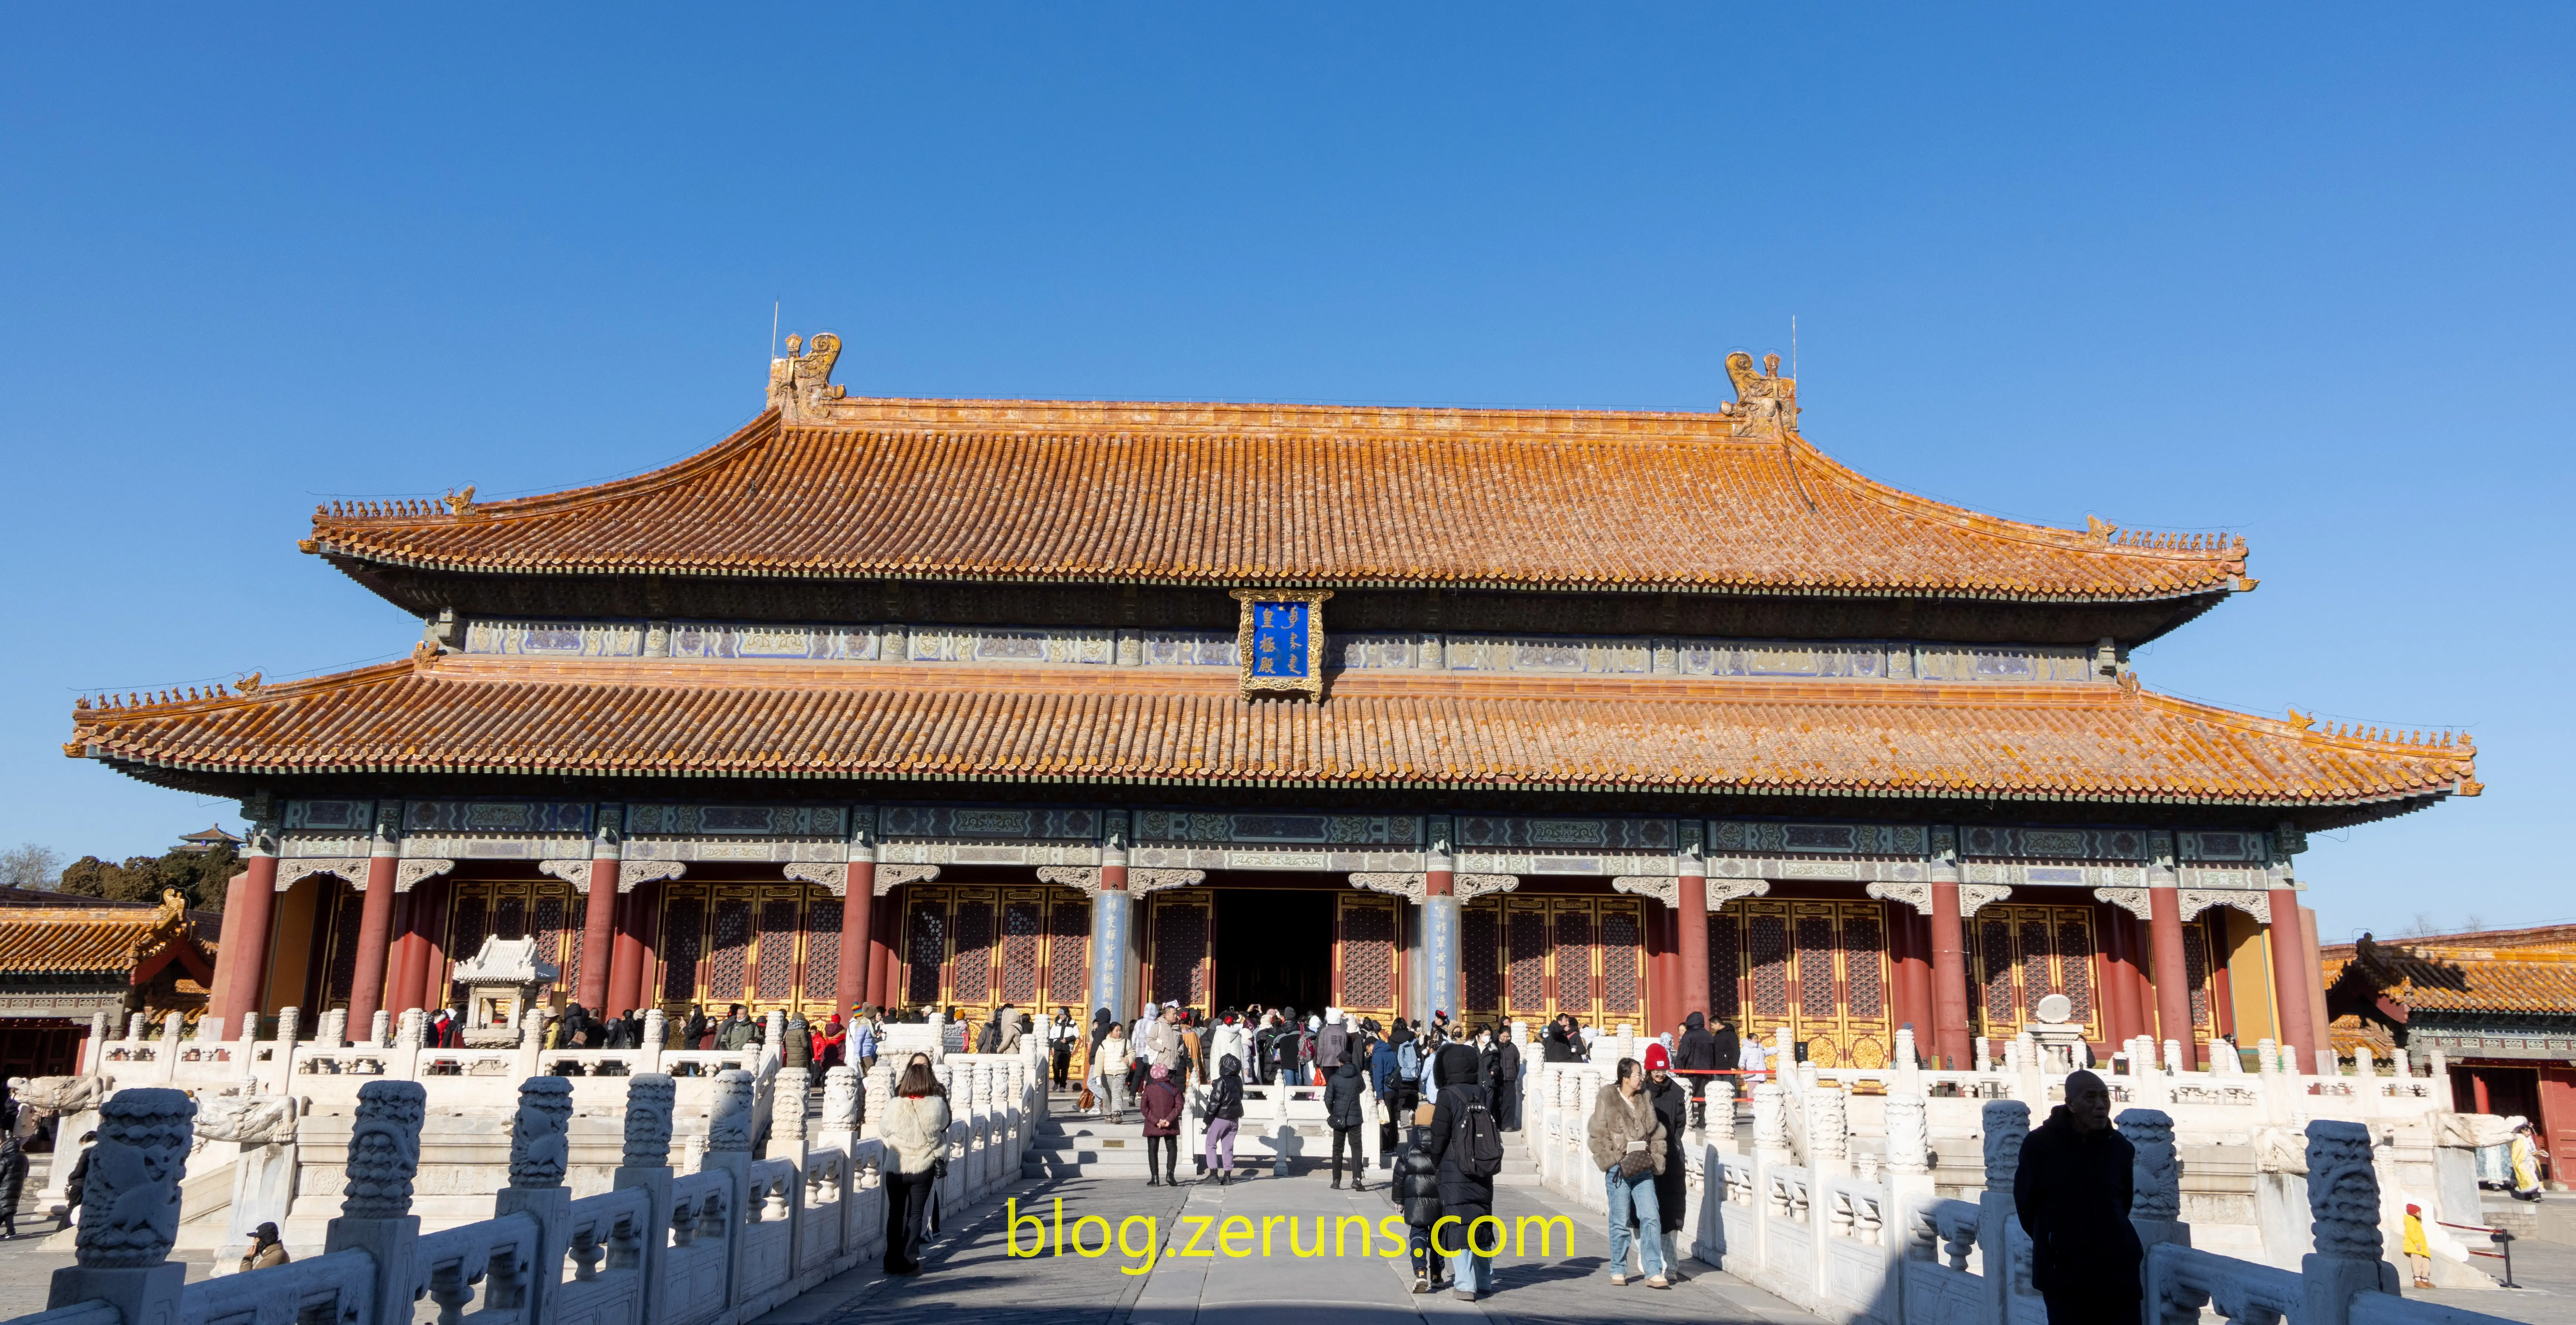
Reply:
x=1763 y=400
x=801 y=383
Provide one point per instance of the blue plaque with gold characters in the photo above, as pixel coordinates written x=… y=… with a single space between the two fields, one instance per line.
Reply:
x=1280 y=644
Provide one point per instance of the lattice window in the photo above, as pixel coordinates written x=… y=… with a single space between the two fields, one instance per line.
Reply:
x=1527 y=934
x=683 y=939
x=1767 y=941
x=971 y=980
x=2075 y=968
x=510 y=917
x=1620 y=993
x=1816 y=966
x=925 y=950
x=1480 y=964
x=1574 y=961
x=344 y=939
x=1995 y=947
x=1180 y=952
x=1022 y=921
x=1725 y=965
x=1864 y=954
x=2195 y=965
x=1069 y=955
x=775 y=963
x=1368 y=955
x=549 y=927
x=732 y=944
x=2038 y=970
x=823 y=948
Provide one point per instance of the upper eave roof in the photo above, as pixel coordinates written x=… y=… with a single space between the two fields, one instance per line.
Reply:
x=496 y=716
x=91 y=940
x=1230 y=495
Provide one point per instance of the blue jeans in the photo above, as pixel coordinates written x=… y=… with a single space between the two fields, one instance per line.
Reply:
x=1469 y=1272
x=1635 y=1197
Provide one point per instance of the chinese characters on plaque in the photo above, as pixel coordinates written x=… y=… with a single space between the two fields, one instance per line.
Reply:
x=1280 y=644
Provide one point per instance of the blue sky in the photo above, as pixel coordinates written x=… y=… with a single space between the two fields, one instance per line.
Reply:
x=2297 y=273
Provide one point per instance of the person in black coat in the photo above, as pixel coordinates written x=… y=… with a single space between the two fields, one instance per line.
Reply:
x=1507 y=1082
x=1344 y=1088
x=1416 y=1191
x=1464 y=1198
x=1560 y=1044
x=2072 y=1196
x=13 y=1181
x=1672 y=1102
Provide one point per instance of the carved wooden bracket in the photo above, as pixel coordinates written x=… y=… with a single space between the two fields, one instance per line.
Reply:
x=2132 y=900
x=2253 y=903
x=411 y=874
x=1917 y=894
x=891 y=877
x=1469 y=887
x=1663 y=888
x=1407 y=886
x=350 y=870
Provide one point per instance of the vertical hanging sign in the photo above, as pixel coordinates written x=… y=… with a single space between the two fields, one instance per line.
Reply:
x=1279 y=647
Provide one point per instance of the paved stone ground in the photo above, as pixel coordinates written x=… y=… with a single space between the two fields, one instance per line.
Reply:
x=27 y=1271
x=972 y=1277
x=2547 y=1273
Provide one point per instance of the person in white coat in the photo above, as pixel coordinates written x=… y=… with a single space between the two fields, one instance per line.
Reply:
x=916 y=1130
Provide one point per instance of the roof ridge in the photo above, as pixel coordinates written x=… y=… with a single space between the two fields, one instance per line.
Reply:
x=461 y=506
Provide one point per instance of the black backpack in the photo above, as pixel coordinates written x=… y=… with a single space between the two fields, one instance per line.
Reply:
x=1478 y=1141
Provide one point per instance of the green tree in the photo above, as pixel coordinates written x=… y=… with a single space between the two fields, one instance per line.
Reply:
x=203 y=877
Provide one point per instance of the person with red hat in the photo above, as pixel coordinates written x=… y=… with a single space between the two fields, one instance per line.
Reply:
x=1672 y=1108
x=2419 y=1253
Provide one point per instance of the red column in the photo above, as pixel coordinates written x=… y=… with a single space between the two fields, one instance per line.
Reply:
x=598 y=936
x=248 y=905
x=2313 y=976
x=375 y=934
x=858 y=907
x=2120 y=984
x=2289 y=953
x=403 y=985
x=1691 y=928
x=1908 y=946
x=2171 y=978
x=1663 y=1008
x=429 y=920
x=881 y=936
x=1949 y=978
x=626 y=969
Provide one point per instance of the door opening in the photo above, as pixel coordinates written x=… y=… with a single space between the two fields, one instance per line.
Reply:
x=1274 y=946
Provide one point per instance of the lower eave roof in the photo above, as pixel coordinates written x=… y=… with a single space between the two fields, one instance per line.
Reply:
x=452 y=714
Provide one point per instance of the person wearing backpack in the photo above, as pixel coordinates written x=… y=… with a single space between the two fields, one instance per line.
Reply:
x=1469 y=1148
x=1626 y=1141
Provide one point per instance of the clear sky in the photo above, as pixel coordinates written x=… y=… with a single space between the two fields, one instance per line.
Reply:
x=2302 y=274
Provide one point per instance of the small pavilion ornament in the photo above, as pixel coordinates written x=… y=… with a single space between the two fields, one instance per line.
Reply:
x=1280 y=644
x=503 y=982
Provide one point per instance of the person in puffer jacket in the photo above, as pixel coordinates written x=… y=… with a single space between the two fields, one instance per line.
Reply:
x=1416 y=1190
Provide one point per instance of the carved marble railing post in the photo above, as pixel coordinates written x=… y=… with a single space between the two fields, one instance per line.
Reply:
x=333 y=1033
x=2006 y=1124
x=645 y=1164
x=1720 y=1124
x=1770 y=1123
x=732 y=1120
x=840 y=1125
x=2343 y=1200
x=1985 y=1057
x=375 y=1210
x=657 y=1028
x=209 y=1031
x=540 y=1153
x=1909 y=1137
x=380 y=1029
x=130 y=1209
x=877 y=1085
x=94 y=1049
x=2155 y=1178
x=1828 y=1132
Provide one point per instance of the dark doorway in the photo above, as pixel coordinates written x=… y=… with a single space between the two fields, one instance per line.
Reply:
x=1274 y=946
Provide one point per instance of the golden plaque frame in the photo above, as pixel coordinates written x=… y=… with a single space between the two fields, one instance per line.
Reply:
x=1311 y=684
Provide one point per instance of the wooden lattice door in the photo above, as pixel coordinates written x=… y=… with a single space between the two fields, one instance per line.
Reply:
x=1180 y=934
x=770 y=947
x=1367 y=969
x=2021 y=954
x=976 y=949
x=1817 y=968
